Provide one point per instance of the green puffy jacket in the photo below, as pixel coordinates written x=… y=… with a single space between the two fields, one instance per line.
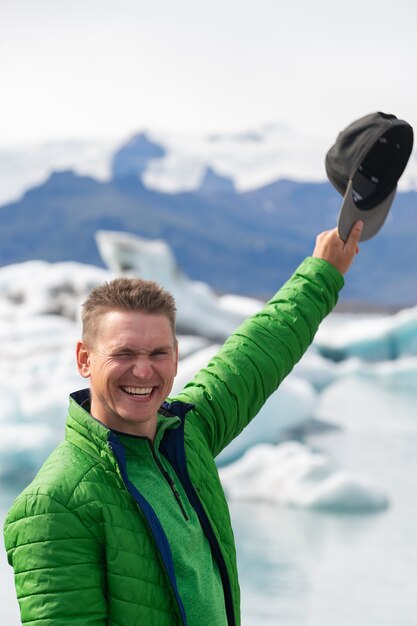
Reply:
x=86 y=547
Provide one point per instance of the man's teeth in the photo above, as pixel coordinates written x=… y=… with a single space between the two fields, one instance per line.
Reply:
x=138 y=391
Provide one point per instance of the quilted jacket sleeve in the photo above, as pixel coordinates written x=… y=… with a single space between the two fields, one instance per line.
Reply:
x=59 y=574
x=249 y=367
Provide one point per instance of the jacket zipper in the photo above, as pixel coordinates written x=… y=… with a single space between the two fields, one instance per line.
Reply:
x=169 y=480
x=110 y=445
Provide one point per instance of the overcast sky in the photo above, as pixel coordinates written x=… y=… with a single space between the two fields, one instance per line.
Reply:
x=109 y=68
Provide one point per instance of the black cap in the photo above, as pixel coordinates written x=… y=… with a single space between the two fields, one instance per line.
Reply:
x=365 y=165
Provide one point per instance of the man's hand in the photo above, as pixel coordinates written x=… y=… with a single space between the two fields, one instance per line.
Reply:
x=339 y=253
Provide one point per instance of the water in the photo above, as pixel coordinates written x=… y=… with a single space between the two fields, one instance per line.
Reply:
x=305 y=568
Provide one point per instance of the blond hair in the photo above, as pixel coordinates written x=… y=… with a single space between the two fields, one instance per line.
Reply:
x=126 y=294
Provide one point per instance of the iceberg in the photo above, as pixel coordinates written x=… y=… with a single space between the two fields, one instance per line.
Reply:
x=190 y=344
x=400 y=374
x=370 y=337
x=318 y=370
x=41 y=288
x=40 y=324
x=9 y=405
x=291 y=474
x=200 y=310
x=23 y=447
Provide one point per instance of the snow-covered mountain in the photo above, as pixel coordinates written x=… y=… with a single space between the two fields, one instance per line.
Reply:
x=173 y=162
x=202 y=196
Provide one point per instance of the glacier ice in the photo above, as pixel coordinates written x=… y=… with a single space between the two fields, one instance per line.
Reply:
x=292 y=474
x=370 y=337
x=22 y=448
x=40 y=323
x=200 y=310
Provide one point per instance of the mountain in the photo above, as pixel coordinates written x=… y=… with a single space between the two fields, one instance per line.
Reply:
x=238 y=242
x=133 y=157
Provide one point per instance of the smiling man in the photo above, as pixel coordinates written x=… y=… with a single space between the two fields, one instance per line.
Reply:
x=126 y=523
x=131 y=359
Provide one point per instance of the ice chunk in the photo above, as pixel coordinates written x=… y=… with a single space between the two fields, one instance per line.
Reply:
x=23 y=448
x=369 y=337
x=293 y=475
x=200 y=310
x=400 y=374
x=38 y=287
x=189 y=344
x=9 y=405
x=318 y=370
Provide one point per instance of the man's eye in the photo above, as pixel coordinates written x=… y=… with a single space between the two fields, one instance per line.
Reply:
x=160 y=353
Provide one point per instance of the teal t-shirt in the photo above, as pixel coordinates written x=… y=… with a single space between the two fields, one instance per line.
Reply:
x=197 y=573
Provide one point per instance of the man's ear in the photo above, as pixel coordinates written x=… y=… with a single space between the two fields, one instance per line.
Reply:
x=83 y=359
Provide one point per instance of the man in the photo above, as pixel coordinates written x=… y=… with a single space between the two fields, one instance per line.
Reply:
x=126 y=523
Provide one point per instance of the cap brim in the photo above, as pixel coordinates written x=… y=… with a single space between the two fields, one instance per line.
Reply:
x=372 y=219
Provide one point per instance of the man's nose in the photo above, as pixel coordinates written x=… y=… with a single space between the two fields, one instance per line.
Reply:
x=142 y=367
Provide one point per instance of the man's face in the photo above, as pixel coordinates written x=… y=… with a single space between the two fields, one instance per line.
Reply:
x=131 y=365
